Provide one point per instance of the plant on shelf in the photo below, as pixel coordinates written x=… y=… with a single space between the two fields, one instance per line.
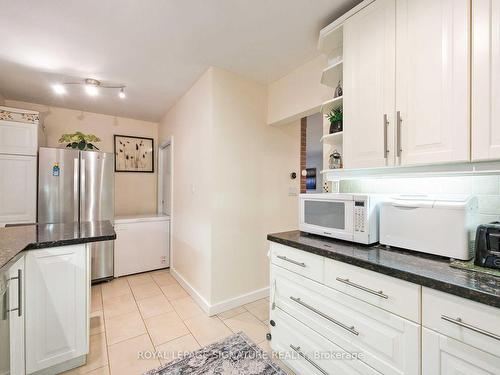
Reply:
x=335 y=117
x=80 y=141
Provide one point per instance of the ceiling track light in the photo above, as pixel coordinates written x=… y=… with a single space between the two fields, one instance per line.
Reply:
x=91 y=86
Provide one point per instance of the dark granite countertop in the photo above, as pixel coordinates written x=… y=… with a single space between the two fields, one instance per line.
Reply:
x=427 y=270
x=15 y=239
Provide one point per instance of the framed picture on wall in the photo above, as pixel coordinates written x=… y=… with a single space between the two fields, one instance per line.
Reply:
x=134 y=154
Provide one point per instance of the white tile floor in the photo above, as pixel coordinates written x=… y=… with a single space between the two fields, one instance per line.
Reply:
x=151 y=311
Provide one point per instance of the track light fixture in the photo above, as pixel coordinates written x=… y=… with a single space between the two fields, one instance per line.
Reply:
x=91 y=87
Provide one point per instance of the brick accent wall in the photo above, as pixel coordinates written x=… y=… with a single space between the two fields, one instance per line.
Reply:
x=303 y=153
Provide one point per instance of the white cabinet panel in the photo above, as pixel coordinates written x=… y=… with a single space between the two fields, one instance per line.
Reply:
x=443 y=312
x=16 y=316
x=57 y=285
x=398 y=296
x=442 y=355
x=369 y=86
x=486 y=80
x=432 y=80
x=18 y=138
x=298 y=261
x=17 y=189
x=389 y=343
x=289 y=333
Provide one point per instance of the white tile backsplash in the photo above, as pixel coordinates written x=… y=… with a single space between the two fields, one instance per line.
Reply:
x=486 y=188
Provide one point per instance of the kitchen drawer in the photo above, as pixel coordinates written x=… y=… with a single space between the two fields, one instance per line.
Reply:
x=389 y=343
x=328 y=357
x=442 y=355
x=441 y=312
x=397 y=296
x=298 y=261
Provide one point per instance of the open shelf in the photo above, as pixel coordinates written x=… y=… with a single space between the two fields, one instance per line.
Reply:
x=332 y=74
x=334 y=138
x=331 y=104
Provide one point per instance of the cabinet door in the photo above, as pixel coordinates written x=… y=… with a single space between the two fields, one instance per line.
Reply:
x=16 y=275
x=442 y=355
x=432 y=80
x=18 y=138
x=486 y=80
x=17 y=189
x=369 y=88
x=57 y=284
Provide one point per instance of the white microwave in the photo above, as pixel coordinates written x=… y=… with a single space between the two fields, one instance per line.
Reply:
x=350 y=217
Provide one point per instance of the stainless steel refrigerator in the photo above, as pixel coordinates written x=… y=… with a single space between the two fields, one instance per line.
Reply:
x=78 y=186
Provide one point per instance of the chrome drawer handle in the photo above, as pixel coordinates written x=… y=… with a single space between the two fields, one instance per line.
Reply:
x=292 y=261
x=19 y=307
x=361 y=287
x=459 y=322
x=299 y=352
x=323 y=315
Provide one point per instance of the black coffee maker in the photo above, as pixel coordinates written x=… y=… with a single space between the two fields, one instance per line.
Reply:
x=488 y=245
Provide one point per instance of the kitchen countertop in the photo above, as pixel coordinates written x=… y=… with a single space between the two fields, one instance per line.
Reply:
x=15 y=239
x=427 y=270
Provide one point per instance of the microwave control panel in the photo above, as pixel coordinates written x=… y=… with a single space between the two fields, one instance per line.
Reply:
x=359 y=216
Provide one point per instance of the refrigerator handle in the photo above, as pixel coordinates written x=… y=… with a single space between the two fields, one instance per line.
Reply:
x=82 y=190
x=75 y=189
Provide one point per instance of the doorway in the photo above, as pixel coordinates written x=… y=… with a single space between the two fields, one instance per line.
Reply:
x=311 y=154
x=165 y=177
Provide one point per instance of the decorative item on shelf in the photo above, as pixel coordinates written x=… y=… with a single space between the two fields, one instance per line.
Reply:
x=338 y=91
x=331 y=186
x=311 y=178
x=80 y=141
x=134 y=154
x=335 y=160
x=335 y=117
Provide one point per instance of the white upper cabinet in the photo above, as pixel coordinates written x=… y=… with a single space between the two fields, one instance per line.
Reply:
x=17 y=189
x=18 y=138
x=432 y=80
x=369 y=86
x=486 y=80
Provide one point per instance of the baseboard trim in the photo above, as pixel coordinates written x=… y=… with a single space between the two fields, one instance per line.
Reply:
x=202 y=302
x=220 y=306
x=238 y=301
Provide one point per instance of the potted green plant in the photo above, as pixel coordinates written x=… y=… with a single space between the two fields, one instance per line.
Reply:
x=80 y=141
x=335 y=117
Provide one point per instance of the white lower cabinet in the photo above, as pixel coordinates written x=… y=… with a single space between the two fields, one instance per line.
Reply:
x=442 y=355
x=16 y=305
x=377 y=318
x=307 y=352
x=388 y=343
x=57 y=293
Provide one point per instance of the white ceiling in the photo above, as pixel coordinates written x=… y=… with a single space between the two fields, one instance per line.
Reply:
x=158 y=48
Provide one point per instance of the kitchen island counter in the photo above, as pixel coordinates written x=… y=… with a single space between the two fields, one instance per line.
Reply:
x=424 y=269
x=15 y=239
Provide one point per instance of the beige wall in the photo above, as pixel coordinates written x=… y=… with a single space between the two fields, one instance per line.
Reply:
x=135 y=193
x=2 y=100
x=298 y=94
x=239 y=168
x=189 y=122
x=253 y=162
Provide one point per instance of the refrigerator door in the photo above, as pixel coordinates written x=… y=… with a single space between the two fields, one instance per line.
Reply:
x=97 y=197
x=58 y=195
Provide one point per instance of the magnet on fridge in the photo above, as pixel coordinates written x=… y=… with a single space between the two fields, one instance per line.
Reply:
x=55 y=170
